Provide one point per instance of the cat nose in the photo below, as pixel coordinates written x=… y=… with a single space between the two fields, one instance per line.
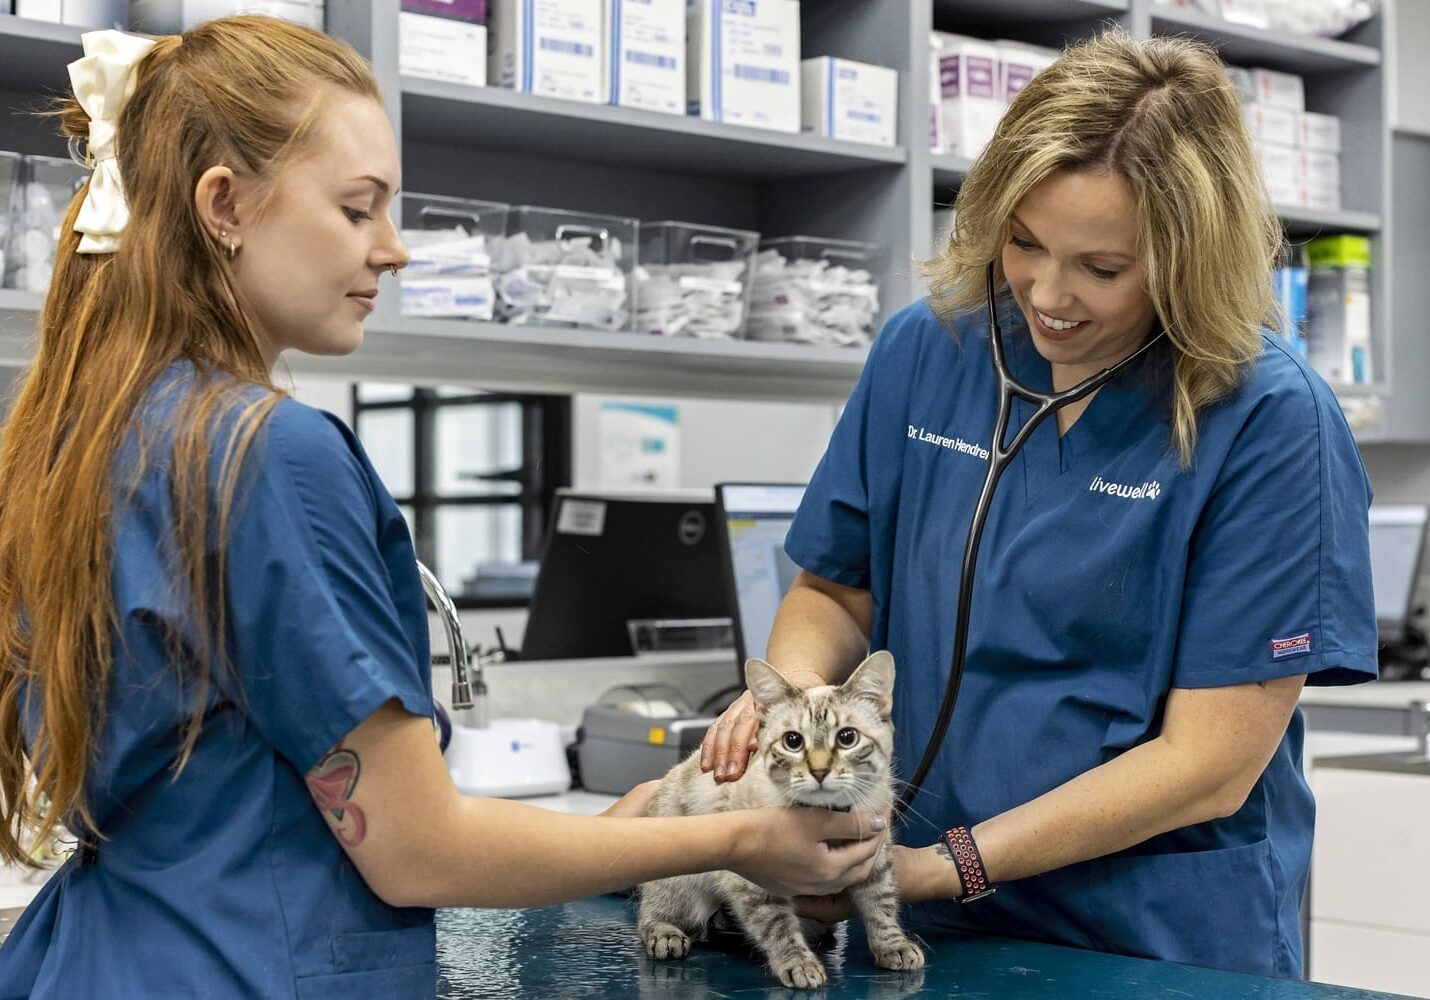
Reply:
x=819 y=773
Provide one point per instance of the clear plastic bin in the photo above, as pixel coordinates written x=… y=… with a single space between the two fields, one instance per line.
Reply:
x=452 y=241
x=559 y=268
x=810 y=290
x=694 y=281
x=38 y=204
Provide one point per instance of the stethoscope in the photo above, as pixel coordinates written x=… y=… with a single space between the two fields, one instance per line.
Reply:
x=1000 y=456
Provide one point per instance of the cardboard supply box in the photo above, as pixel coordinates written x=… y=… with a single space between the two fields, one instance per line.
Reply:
x=742 y=62
x=848 y=100
x=1270 y=124
x=1280 y=90
x=645 y=45
x=444 y=40
x=1319 y=132
x=970 y=104
x=1279 y=171
x=553 y=48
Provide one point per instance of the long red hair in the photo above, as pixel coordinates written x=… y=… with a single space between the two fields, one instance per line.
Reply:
x=241 y=92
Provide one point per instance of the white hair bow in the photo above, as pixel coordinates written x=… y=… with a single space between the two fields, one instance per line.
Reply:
x=103 y=82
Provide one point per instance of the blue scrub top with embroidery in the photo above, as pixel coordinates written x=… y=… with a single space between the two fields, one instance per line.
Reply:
x=226 y=882
x=1108 y=575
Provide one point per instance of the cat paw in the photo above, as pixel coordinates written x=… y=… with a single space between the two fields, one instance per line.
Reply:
x=665 y=941
x=803 y=973
x=902 y=955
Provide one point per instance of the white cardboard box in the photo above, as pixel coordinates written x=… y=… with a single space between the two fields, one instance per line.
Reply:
x=1319 y=132
x=848 y=100
x=645 y=42
x=1281 y=90
x=554 y=48
x=1017 y=65
x=936 y=140
x=440 y=48
x=1323 y=199
x=1279 y=170
x=1318 y=170
x=1240 y=78
x=743 y=62
x=969 y=76
x=1270 y=124
x=169 y=17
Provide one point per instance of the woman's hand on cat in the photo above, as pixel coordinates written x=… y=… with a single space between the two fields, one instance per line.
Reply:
x=634 y=802
x=730 y=740
x=809 y=852
x=919 y=875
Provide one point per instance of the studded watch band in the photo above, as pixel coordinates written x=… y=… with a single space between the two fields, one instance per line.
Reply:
x=970 y=864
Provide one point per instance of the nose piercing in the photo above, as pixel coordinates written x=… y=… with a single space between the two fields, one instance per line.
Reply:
x=393 y=269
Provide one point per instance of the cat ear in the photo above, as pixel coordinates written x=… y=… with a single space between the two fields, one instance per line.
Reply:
x=873 y=680
x=767 y=684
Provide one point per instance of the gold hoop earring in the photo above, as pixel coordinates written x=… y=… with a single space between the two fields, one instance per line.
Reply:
x=227 y=243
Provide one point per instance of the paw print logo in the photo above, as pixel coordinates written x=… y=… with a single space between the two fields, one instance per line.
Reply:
x=1154 y=490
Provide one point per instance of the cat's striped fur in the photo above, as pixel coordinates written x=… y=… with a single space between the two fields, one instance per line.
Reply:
x=856 y=773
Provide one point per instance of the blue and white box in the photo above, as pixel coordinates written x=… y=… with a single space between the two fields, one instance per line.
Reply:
x=852 y=101
x=646 y=43
x=554 y=48
x=743 y=62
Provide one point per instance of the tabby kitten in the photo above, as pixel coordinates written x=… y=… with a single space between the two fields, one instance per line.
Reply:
x=828 y=747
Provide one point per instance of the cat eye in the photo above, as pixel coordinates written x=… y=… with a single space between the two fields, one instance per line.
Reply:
x=794 y=741
x=846 y=738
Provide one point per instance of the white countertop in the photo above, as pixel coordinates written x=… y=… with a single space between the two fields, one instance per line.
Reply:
x=575 y=801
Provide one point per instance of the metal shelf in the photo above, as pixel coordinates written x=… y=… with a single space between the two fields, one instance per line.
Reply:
x=34 y=54
x=542 y=359
x=1313 y=222
x=993 y=17
x=443 y=113
x=949 y=171
x=1246 y=46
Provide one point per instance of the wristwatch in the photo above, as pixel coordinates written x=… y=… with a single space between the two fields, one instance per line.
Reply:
x=970 y=865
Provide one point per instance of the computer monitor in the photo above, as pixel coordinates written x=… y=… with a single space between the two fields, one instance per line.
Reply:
x=610 y=558
x=1397 y=535
x=754 y=519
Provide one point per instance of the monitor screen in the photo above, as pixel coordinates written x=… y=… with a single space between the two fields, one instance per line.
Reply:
x=610 y=558
x=1397 y=535
x=754 y=520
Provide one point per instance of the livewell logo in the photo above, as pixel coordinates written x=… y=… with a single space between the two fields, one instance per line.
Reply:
x=1147 y=491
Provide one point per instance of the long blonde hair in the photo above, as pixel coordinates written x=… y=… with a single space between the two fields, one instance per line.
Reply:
x=1162 y=114
x=241 y=92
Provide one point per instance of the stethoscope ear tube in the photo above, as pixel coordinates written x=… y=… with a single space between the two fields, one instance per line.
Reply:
x=1000 y=456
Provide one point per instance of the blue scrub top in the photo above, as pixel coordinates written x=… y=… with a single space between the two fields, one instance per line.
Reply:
x=1108 y=575
x=226 y=881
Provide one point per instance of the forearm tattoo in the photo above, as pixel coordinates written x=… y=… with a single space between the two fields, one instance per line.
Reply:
x=332 y=782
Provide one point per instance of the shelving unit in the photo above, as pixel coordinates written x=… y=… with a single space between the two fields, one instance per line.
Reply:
x=493 y=144
x=1242 y=45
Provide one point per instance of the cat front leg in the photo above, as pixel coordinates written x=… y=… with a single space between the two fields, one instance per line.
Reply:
x=877 y=901
x=672 y=911
x=771 y=925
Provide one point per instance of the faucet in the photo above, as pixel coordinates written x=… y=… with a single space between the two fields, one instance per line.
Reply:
x=468 y=696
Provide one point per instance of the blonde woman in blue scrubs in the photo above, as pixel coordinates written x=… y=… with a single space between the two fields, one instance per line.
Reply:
x=213 y=639
x=1164 y=566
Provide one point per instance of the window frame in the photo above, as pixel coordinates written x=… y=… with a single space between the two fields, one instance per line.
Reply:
x=545 y=468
